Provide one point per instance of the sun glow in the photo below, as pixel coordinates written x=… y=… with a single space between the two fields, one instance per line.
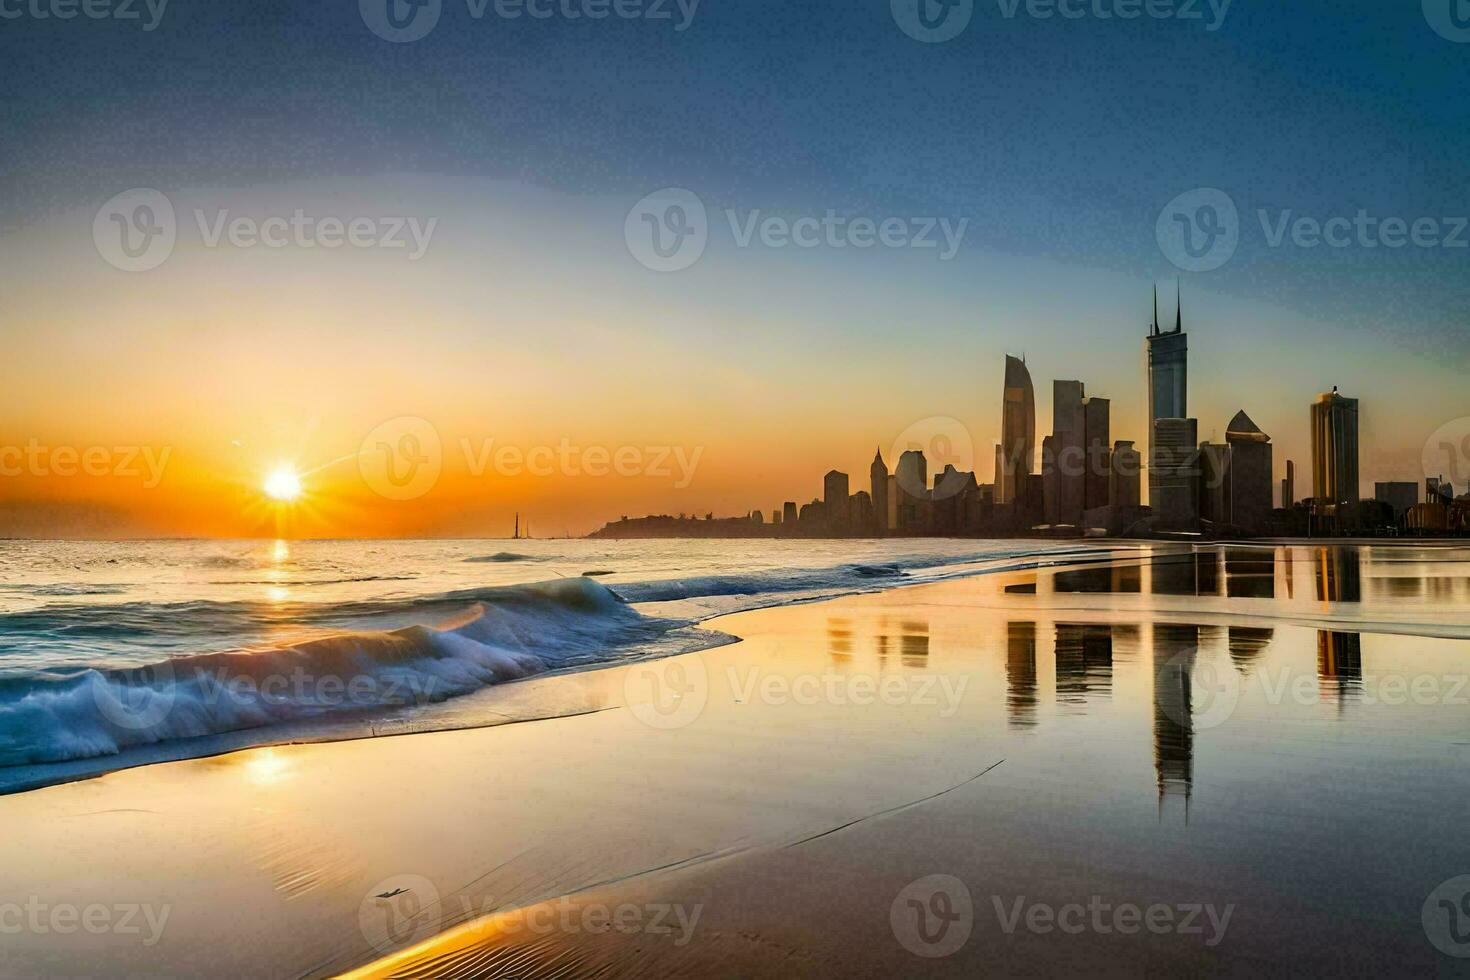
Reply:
x=283 y=484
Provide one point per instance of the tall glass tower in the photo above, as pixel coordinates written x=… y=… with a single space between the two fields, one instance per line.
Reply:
x=1017 y=434
x=1168 y=377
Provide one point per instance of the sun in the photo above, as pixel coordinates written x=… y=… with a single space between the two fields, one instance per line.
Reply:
x=283 y=484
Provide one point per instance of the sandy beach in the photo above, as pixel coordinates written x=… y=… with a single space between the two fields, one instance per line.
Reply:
x=1212 y=759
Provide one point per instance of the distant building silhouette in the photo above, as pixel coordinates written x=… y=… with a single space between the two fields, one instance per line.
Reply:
x=1173 y=476
x=1125 y=477
x=1063 y=466
x=1017 y=436
x=1097 y=443
x=1214 y=482
x=1400 y=496
x=1335 y=457
x=878 y=487
x=1168 y=375
x=1288 y=485
x=912 y=477
x=1250 y=474
x=788 y=514
x=834 y=501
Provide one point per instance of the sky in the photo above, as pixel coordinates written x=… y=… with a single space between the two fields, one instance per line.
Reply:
x=500 y=337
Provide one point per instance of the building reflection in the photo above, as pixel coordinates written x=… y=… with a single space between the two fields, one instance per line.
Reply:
x=1021 y=674
x=1084 y=658
x=1339 y=665
x=1250 y=573
x=913 y=643
x=1339 y=574
x=1175 y=648
x=1195 y=573
x=839 y=641
x=1246 y=645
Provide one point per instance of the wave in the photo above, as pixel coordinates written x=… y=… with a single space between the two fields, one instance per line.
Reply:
x=501 y=556
x=512 y=632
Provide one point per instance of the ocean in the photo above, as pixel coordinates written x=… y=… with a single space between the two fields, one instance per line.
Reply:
x=119 y=653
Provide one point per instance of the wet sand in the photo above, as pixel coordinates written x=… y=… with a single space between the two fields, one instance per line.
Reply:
x=1216 y=760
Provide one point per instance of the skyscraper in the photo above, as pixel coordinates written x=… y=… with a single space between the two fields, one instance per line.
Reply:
x=1334 y=455
x=1123 y=479
x=1250 y=474
x=878 y=482
x=1097 y=424
x=1168 y=374
x=834 y=499
x=1288 y=485
x=1173 y=473
x=912 y=477
x=1067 y=463
x=1214 y=482
x=1017 y=435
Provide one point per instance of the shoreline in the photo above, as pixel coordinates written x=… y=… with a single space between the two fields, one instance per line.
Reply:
x=812 y=774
